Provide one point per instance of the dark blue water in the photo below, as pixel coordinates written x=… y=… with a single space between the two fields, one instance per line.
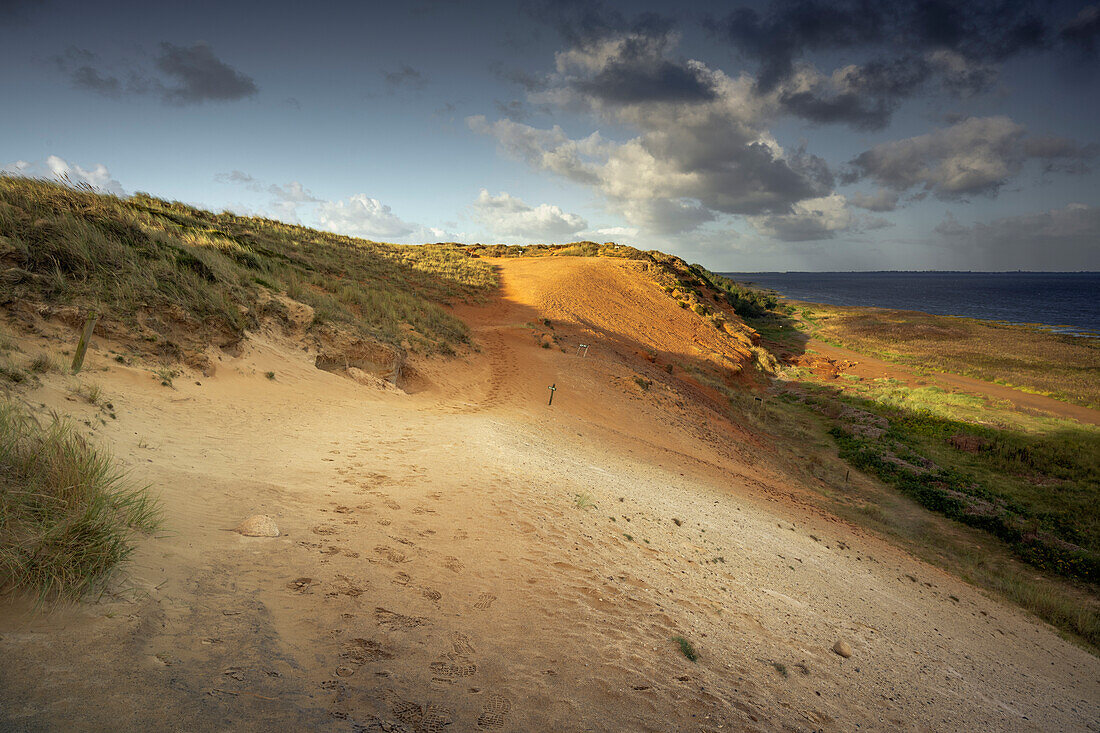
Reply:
x=1068 y=301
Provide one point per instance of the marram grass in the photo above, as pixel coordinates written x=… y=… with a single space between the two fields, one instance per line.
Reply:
x=68 y=514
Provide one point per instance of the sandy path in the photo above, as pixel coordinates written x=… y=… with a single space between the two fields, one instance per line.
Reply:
x=438 y=572
x=868 y=366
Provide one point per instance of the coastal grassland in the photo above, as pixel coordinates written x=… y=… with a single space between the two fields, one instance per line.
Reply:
x=1042 y=477
x=67 y=512
x=142 y=261
x=1025 y=357
x=1032 y=482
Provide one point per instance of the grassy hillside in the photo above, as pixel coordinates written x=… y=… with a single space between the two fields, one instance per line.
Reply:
x=1033 y=359
x=174 y=273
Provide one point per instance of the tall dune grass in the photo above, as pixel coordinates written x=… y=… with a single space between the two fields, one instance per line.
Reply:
x=143 y=261
x=68 y=514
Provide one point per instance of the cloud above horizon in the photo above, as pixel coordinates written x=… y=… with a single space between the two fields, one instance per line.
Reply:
x=188 y=75
x=701 y=151
x=505 y=217
x=974 y=157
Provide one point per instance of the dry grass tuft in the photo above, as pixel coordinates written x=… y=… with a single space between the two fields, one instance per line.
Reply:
x=67 y=513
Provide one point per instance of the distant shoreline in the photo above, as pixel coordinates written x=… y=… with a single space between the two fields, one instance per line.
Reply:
x=1061 y=302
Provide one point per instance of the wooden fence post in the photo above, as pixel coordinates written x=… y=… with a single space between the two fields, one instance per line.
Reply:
x=85 y=339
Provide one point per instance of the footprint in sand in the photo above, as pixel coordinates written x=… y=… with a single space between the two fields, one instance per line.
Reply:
x=453 y=564
x=390 y=554
x=391 y=504
x=431 y=594
x=358 y=652
x=402 y=579
x=451 y=668
x=426 y=718
x=484 y=601
x=334 y=550
x=495 y=711
x=391 y=620
x=325 y=529
x=345 y=586
x=460 y=643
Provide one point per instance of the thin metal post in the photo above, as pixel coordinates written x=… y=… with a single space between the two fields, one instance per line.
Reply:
x=553 y=388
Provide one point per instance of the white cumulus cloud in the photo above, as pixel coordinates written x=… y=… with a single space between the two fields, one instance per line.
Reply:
x=819 y=218
x=976 y=156
x=506 y=217
x=362 y=216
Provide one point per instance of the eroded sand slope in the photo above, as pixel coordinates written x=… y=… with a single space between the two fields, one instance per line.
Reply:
x=437 y=570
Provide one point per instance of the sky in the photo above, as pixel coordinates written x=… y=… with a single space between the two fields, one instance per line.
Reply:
x=779 y=136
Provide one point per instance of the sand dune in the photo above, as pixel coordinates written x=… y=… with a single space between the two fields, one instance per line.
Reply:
x=466 y=557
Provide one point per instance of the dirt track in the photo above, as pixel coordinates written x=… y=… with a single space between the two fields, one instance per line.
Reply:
x=466 y=557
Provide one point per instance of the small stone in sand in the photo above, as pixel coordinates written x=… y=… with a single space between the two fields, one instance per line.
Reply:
x=259 y=525
x=842 y=648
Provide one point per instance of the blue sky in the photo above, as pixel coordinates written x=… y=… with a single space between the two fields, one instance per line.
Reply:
x=805 y=135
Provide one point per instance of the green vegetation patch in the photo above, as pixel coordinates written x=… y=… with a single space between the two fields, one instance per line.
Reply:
x=1030 y=358
x=67 y=513
x=686 y=648
x=1031 y=482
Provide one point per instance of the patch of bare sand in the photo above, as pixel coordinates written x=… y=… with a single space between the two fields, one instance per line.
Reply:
x=469 y=558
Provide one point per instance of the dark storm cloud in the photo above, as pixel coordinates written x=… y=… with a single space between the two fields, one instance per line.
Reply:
x=406 y=76
x=866 y=96
x=199 y=76
x=782 y=34
x=1083 y=31
x=977 y=156
x=912 y=44
x=849 y=108
x=582 y=22
x=640 y=71
x=188 y=75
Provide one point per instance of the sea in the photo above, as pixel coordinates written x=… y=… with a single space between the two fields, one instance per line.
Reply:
x=1067 y=302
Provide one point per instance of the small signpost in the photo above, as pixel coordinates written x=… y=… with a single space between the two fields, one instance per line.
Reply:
x=85 y=338
x=553 y=388
x=582 y=350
